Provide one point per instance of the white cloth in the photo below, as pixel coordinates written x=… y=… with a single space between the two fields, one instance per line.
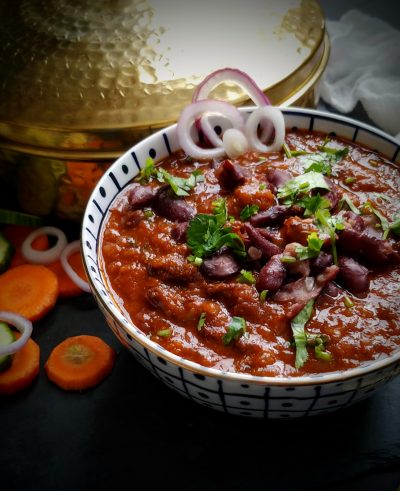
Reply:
x=364 y=66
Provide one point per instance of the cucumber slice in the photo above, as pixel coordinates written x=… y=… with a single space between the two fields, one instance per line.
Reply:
x=6 y=337
x=12 y=217
x=6 y=253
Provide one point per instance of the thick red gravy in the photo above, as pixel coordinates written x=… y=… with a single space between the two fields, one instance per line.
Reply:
x=160 y=290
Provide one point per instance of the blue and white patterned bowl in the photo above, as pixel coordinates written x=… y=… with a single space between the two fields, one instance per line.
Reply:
x=240 y=394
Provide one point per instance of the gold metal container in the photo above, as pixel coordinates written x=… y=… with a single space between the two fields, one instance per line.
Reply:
x=82 y=81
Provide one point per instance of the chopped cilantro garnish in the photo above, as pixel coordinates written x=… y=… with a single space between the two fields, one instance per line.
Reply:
x=180 y=185
x=246 y=277
x=317 y=162
x=202 y=321
x=262 y=186
x=347 y=201
x=313 y=203
x=350 y=180
x=206 y=234
x=394 y=227
x=330 y=224
x=313 y=248
x=147 y=172
x=248 y=211
x=383 y=220
x=287 y=259
x=263 y=295
x=301 y=184
x=299 y=333
x=148 y=213
x=235 y=329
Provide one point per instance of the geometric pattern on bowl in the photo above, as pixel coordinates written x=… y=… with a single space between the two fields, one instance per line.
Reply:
x=233 y=393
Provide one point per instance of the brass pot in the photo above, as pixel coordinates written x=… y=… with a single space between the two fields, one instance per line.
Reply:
x=82 y=81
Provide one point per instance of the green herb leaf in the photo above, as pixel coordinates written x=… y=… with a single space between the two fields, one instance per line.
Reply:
x=235 y=330
x=313 y=248
x=299 y=334
x=202 y=321
x=395 y=227
x=287 y=150
x=180 y=186
x=301 y=184
x=347 y=201
x=206 y=234
x=330 y=224
x=383 y=220
x=248 y=211
x=246 y=277
x=147 y=172
x=313 y=203
x=263 y=295
x=317 y=162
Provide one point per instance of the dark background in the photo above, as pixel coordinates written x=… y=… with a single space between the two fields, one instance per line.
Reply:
x=132 y=432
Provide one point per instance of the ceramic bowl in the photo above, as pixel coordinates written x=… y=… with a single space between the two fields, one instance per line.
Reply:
x=233 y=393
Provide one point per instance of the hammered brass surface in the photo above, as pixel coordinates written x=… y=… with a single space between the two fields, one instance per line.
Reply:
x=95 y=76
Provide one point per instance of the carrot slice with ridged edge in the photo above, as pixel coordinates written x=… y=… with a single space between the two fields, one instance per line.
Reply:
x=23 y=370
x=80 y=362
x=30 y=290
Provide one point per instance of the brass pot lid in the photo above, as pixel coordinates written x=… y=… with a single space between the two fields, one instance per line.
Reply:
x=83 y=75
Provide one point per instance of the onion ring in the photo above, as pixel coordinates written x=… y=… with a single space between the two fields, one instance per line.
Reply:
x=274 y=115
x=23 y=325
x=51 y=254
x=231 y=75
x=68 y=250
x=246 y=83
x=200 y=108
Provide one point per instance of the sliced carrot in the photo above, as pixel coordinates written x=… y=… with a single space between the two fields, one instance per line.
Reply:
x=80 y=362
x=23 y=370
x=30 y=290
x=16 y=234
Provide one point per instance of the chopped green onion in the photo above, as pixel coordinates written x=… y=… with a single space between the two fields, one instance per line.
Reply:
x=164 y=333
x=263 y=295
x=288 y=259
x=348 y=302
x=287 y=150
x=262 y=186
x=148 y=213
x=350 y=180
x=246 y=277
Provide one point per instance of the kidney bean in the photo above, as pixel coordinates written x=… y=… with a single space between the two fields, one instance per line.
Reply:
x=278 y=177
x=370 y=249
x=220 y=267
x=273 y=216
x=272 y=275
x=322 y=261
x=140 y=196
x=267 y=248
x=230 y=175
x=352 y=275
x=178 y=231
x=171 y=207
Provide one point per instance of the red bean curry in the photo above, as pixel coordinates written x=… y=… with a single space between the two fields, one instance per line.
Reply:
x=270 y=264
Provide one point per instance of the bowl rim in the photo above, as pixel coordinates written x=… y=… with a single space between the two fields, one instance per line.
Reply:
x=367 y=367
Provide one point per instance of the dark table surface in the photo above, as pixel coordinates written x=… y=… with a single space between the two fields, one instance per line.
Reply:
x=132 y=432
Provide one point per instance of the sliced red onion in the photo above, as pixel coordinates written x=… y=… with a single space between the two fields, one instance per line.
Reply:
x=278 y=122
x=51 y=254
x=23 y=325
x=235 y=143
x=246 y=83
x=231 y=75
x=201 y=108
x=68 y=250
